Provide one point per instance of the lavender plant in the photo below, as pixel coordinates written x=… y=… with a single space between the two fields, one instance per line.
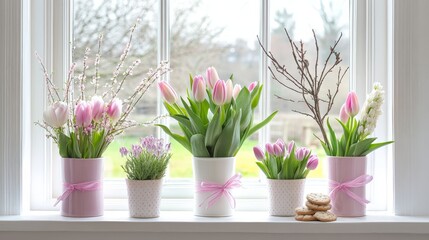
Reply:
x=147 y=160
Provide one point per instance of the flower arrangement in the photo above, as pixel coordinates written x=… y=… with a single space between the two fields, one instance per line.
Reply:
x=216 y=117
x=355 y=141
x=276 y=163
x=146 y=161
x=82 y=124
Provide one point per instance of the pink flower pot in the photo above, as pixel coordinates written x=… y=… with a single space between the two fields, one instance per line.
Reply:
x=343 y=170
x=83 y=203
x=144 y=198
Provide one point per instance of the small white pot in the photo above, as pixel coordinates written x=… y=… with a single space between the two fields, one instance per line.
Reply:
x=144 y=198
x=213 y=170
x=285 y=195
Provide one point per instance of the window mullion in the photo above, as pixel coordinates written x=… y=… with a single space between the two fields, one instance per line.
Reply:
x=163 y=54
x=264 y=33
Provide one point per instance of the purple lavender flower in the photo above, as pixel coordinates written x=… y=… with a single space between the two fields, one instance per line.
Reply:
x=123 y=151
x=137 y=149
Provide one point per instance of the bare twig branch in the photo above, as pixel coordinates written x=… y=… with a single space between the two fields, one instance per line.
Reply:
x=308 y=84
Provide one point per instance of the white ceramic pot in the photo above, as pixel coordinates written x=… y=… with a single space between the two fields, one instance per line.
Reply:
x=285 y=195
x=144 y=198
x=212 y=170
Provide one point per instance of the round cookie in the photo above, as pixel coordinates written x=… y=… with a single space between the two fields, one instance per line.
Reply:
x=304 y=211
x=305 y=218
x=318 y=198
x=316 y=207
x=325 y=216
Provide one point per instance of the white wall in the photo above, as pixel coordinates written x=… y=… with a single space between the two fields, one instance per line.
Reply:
x=411 y=106
x=10 y=106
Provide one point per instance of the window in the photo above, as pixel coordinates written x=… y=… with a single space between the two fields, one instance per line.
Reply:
x=211 y=35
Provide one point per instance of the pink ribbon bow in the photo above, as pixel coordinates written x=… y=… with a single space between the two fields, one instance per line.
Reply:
x=84 y=186
x=219 y=190
x=357 y=182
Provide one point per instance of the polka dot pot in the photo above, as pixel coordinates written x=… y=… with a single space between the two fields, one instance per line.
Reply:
x=284 y=196
x=144 y=198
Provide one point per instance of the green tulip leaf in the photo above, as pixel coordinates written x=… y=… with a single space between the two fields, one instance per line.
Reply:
x=214 y=130
x=198 y=147
x=262 y=124
x=180 y=139
x=362 y=146
x=375 y=146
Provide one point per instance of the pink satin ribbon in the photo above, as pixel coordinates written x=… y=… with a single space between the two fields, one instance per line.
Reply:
x=220 y=190
x=345 y=187
x=84 y=186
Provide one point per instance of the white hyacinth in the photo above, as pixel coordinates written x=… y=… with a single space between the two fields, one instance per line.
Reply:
x=371 y=111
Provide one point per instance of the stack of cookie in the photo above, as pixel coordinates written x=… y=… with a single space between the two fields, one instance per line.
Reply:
x=316 y=208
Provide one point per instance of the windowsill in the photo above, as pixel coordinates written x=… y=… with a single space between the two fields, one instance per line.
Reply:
x=186 y=222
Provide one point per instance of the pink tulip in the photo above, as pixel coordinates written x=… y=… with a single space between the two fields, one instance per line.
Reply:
x=277 y=150
x=83 y=114
x=219 y=93
x=236 y=91
x=301 y=153
x=97 y=104
x=167 y=92
x=114 y=109
x=56 y=115
x=259 y=153
x=269 y=148
x=281 y=143
x=199 y=88
x=252 y=86
x=229 y=89
x=212 y=76
x=290 y=146
x=312 y=163
x=344 y=117
x=352 y=104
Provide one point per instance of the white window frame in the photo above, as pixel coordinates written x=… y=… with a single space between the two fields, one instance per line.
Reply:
x=51 y=28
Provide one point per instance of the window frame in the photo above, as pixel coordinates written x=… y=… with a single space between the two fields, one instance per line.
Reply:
x=51 y=29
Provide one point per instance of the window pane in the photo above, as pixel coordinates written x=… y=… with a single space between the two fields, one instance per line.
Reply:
x=114 y=19
x=328 y=19
x=214 y=33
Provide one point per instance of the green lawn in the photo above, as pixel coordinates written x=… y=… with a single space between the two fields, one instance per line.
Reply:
x=181 y=161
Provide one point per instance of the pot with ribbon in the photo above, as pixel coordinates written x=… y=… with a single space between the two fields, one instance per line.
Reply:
x=347 y=185
x=82 y=187
x=215 y=180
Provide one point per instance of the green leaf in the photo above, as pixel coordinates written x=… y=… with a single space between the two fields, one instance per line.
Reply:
x=63 y=142
x=214 y=130
x=362 y=146
x=184 y=121
x=333 y=138
x=261 y=124
x=185 y=142
x=196 y=122
x=75 y=145
x=229 y=139
x=273 y=167
x=264 y=169
x=375 y=146
x=170 y=109
x=198 y=147
x=255 y=98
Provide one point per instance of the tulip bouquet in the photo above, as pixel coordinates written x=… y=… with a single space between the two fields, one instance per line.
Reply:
x=215 y=117
x=355 y=140
x=276 y=163
x=83 y=126
x=147 y=160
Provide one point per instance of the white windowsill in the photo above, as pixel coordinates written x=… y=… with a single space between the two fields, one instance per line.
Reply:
x=241 y=222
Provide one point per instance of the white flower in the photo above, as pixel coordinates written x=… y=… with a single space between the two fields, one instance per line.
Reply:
x=371 y=111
